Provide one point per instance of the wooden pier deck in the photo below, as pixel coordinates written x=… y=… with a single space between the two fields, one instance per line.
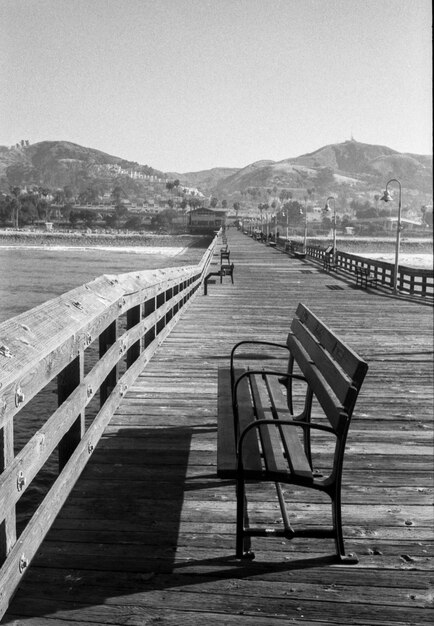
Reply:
x=147 y=536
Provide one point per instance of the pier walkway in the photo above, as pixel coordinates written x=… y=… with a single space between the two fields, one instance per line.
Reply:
x=148 y=533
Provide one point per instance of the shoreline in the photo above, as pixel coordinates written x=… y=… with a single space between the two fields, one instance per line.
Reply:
x=373 y=244
x=9 y=239
x=178 y=244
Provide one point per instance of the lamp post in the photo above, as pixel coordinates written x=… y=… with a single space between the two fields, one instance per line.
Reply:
x=387 y=197
x=260 y=209
x=305 y=227
x=326 y=210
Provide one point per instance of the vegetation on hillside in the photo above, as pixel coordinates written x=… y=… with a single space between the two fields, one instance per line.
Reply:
x=82 y=187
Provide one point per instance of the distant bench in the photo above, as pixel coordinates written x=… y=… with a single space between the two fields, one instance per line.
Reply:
x=329 y=262
x=290 y=248
x=364 y=276
x=225 y=254
x=226 y=269
x=259 y=424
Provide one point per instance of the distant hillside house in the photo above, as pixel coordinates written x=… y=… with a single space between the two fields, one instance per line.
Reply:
x=192 y=191
x=205 y=219
x=315 y=214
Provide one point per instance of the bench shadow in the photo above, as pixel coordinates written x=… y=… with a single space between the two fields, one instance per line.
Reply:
x=118 y=532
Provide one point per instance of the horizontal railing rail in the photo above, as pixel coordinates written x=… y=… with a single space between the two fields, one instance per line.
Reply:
x=80 y=342
x=412 y=281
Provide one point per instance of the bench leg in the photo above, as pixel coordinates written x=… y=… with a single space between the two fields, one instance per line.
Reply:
x=243 y=542
x=349 y=559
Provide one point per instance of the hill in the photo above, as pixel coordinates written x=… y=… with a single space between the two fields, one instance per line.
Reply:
x=205 y=180
x=351 y=169
x=348 y=165
x=56 y=164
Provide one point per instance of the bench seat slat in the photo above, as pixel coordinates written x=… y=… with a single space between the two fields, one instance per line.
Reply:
x=295 y=454
x=226 y=452
x=251 y=452
x=270 y=437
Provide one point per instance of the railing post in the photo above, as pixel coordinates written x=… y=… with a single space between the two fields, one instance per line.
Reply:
x=423 y=286
x=8 y=533
x=134 y=316
x=148 y=309
x=106 y=339
x=67 y=381
x=400 y=279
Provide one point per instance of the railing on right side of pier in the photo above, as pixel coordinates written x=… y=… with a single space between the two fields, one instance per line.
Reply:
x=91 y=341
x=411 y=281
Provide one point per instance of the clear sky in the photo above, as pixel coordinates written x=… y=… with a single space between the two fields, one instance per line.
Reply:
x=185 y=85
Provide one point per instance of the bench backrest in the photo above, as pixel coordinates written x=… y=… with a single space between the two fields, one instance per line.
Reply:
x=333 y=371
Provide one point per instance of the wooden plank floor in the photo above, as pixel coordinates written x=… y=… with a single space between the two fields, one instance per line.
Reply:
x=147 y=536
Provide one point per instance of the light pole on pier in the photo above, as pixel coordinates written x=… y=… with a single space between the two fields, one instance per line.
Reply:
x=326 y=210
x=305 y=227
x=285 y=214
x=260 y=209
x=387 y=197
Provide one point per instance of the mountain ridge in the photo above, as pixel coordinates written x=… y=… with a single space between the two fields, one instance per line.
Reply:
x=350 y=165
x=58 y=163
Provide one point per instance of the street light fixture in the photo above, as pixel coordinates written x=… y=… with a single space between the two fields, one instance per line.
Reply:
x=326 y=210
x=387 y=197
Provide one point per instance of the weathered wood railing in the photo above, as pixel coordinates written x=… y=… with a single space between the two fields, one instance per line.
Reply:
x=124 y=319
x=413 y=281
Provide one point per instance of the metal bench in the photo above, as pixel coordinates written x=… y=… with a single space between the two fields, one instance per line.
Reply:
x=364 y=276
x=329 y=259
x=225 y=270
x=224 y=255
x=265 y=435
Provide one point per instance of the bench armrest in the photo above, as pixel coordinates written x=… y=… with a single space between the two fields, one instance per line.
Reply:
x=278 y=422
x=268 y=373
x=256 y=342
x=252 y=342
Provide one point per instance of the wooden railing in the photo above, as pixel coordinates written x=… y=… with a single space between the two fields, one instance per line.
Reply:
x=412 y=281
x=80 y=342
